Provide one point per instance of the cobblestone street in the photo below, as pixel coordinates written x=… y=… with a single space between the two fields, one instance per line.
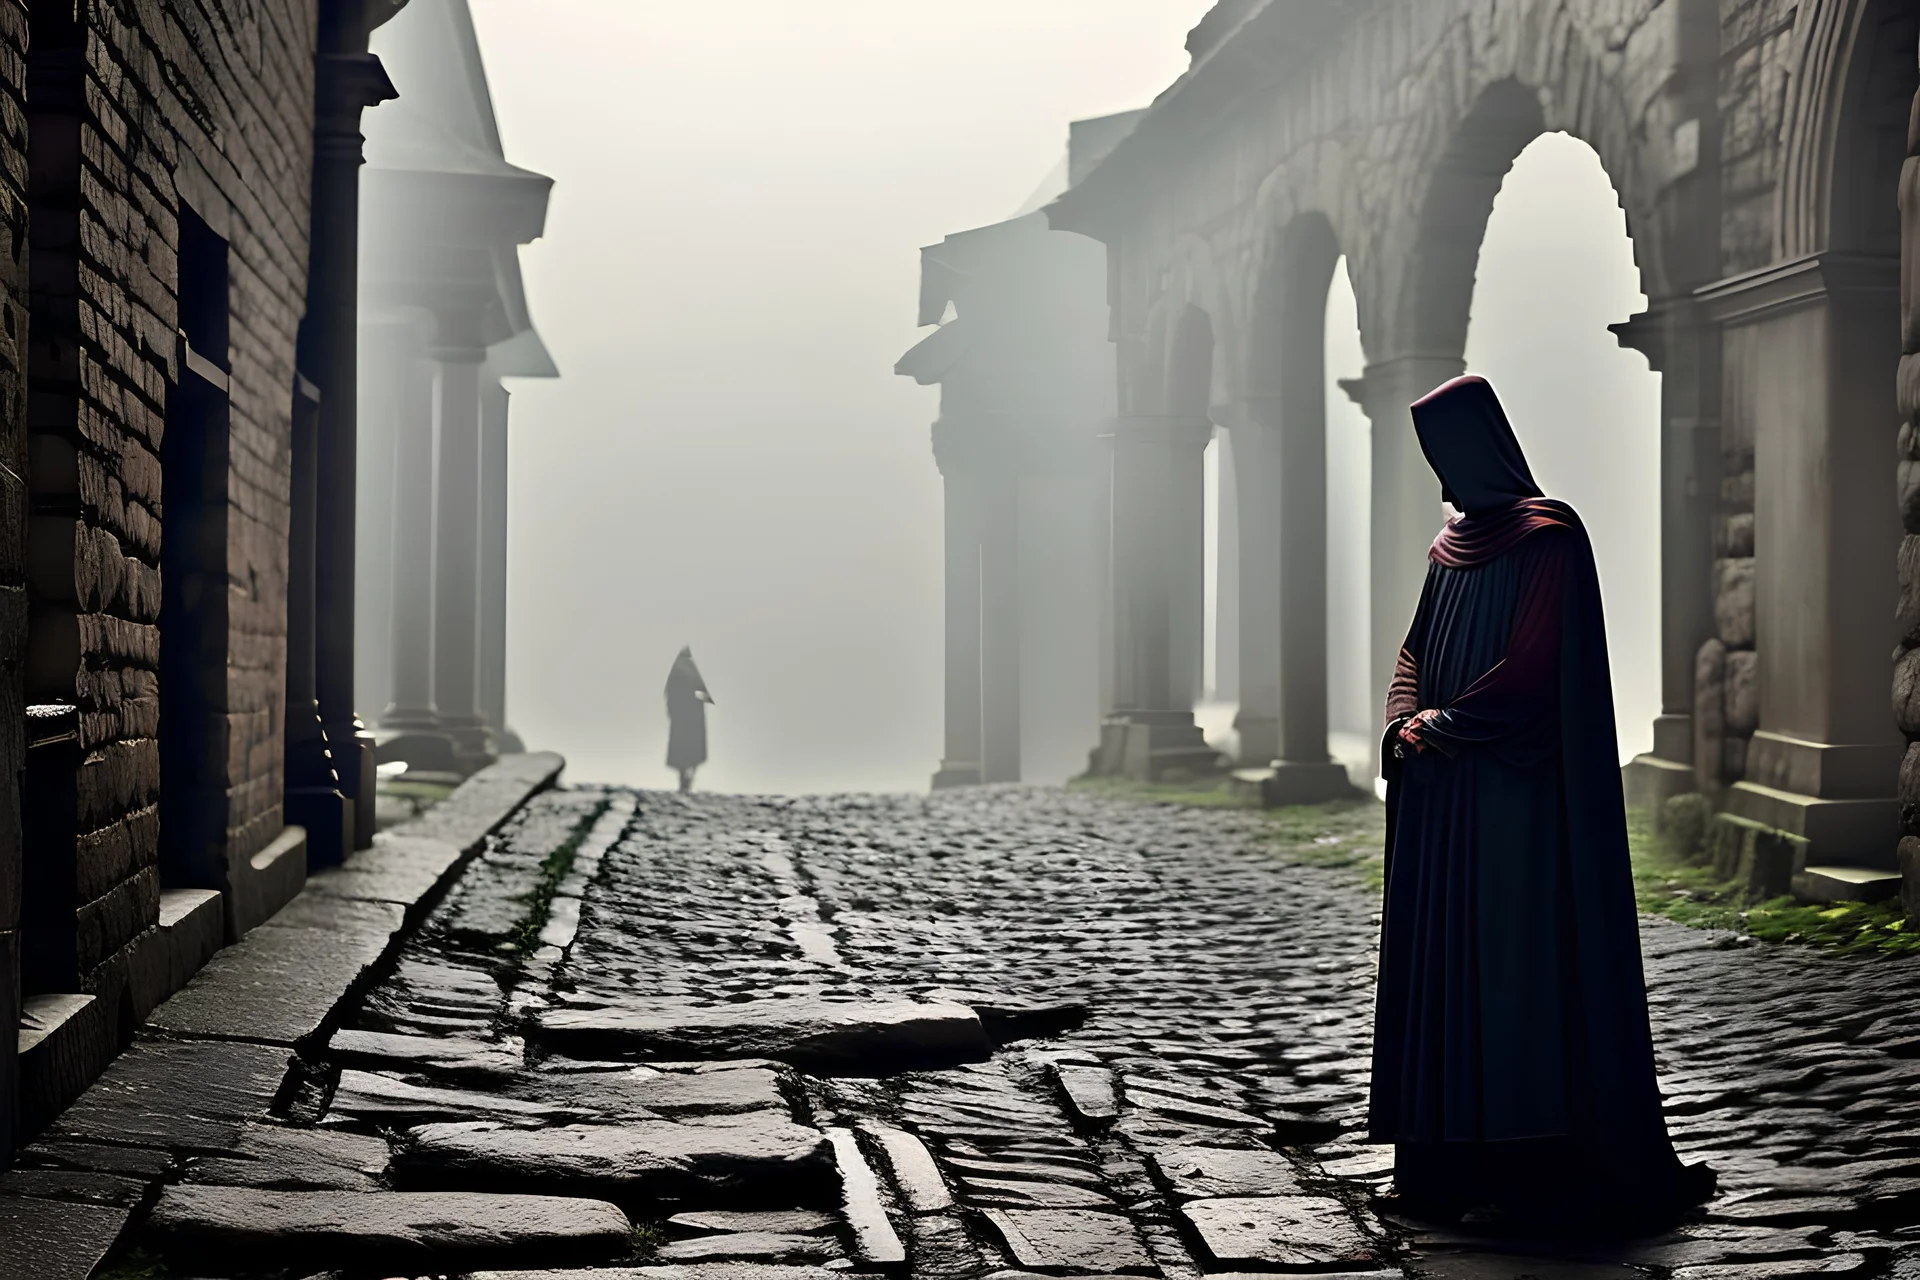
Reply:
x=990 y=1032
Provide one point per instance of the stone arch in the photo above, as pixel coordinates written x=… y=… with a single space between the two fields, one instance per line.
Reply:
x=1849 y=98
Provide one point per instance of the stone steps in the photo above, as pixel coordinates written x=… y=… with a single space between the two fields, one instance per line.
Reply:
x=1845 y=884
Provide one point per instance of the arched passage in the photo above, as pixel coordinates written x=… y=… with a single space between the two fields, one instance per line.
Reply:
x=1555 y=270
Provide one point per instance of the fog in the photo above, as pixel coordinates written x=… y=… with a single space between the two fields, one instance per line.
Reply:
x=729 y=273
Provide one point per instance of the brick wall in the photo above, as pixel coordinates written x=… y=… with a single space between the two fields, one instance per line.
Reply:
x=138 y=109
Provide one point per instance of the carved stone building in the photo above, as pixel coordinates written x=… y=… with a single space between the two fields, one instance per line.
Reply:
x=443 y=319
x=178 y=217
x=1760 y=149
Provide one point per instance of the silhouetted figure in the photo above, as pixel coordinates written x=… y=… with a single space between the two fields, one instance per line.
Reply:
x=687 y=700
x=1512 y=1060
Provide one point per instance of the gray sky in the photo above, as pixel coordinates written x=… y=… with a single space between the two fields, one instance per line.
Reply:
x=728 y=275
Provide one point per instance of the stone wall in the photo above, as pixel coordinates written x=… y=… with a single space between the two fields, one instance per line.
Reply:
x=138 y=113
x=1756 y=43
x=1906 y=681
x=13 y=509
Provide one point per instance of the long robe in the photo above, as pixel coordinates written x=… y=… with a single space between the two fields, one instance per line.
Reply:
x=687 y=700
x=1512 y=1056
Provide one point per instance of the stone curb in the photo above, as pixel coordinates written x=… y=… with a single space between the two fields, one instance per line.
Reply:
x=239 y=1022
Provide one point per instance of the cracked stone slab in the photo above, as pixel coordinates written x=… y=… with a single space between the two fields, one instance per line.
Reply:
x=1285 y=1231
x=1202 y=1173
x=286 y=1159
x=1035 y=1195
x=825 y=1037
x=1076 y=1240
x=1189 y=1111
x=742 y=1157
x=371 y=1098
x=389 y=1229
x=445 y=1055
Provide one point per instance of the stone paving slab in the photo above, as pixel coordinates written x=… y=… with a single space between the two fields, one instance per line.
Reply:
x=236 y=1225
x=184 y=1096
x=1293 y=1232
x=1070 y=1240
x=721 y=1162
x=860 y=1038
x=277 y=1157
x=698 y=1271
x=53 y=1240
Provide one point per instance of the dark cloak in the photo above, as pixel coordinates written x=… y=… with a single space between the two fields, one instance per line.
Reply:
x=687 y=700
x=1512 y=1055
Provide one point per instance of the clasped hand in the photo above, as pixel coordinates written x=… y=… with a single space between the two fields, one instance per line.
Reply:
x=1416 y=724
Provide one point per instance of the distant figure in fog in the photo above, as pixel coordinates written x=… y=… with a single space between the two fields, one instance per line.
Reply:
x=687 y=700
x=1512 y=1060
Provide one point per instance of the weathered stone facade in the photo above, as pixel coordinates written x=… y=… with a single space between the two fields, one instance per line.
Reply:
x=1756 y=146
x=157 y=168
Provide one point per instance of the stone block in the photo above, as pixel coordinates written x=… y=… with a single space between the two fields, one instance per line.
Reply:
x=1709 y=714
x=279 y=984
x=1733 y=535
x=1907 y=611
x=1090 y=1093
x=193 y=923
x=10 y=1131
x=1910 y=875
x=852 y=1038
x=1908 y=390
x=1733 y=601
x=1907 y=485
x=279 y=1158
x=729 y=1162
x=65 y=1042
x=1071 y=1240
x=1293 y=1232
x=431 y=1231
x=454 y=1056
x=1759 y=859
x=261 y=884
x=398 y=868
x=372 y=1098
x=193 y=1094
x=875 y=1243
x=1684 y=824
x=911 y=1167
x=1846 y=884
x=1743 y=693
x=1200 y=1173
x=1906 y=691
x=1910 y=260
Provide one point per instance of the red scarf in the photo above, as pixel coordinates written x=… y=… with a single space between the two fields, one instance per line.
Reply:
x=1472 y=540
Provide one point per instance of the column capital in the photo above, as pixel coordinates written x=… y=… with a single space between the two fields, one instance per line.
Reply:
x=1404 y=378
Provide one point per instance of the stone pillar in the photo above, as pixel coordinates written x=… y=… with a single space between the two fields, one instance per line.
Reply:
x=1684 y=349
x=1407 y=512
x=1809 y=344
x=411 y=708
x=999 y=542
x=347 y=80
x=456 y=553
x=1158 y=563
x=1229 y=571
x=313 y=797
x=493 y=556
x=960 y=766
x=1256 y=479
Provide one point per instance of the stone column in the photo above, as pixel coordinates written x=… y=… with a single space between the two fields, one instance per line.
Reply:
x=347 y=80
x=456 y=552
x=313 y=798
x=1256 y=482
x=493 y=555
x=1407 y=511
x=960 y=766
x=1684 y=349
x=1158 y=563
x=411 y=709
x=999 y=540
x=1810 y=343
x=1229 y=570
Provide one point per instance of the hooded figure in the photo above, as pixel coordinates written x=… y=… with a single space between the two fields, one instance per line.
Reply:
x=687 y=700
x=1512 y=1060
